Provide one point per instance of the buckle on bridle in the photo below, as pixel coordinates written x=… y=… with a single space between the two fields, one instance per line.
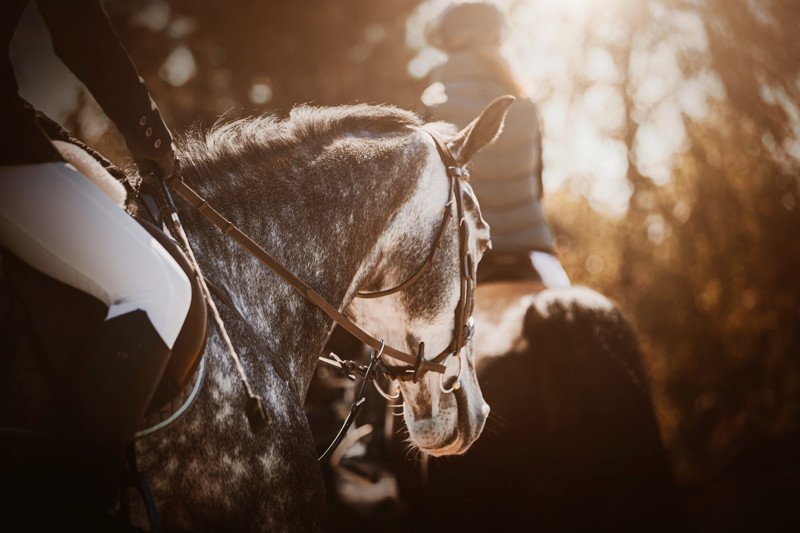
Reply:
x=469 y=330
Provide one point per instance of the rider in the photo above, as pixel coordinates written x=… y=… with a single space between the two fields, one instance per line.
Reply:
x=506 y=176
x=56 y=220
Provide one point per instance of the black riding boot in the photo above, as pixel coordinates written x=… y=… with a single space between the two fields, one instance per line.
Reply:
x=119 y=374
x=121 y=371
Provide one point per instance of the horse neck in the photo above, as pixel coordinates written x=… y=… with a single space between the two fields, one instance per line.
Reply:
x=305 y=220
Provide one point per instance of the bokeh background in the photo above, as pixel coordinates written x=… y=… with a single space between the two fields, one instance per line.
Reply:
x=671 y=158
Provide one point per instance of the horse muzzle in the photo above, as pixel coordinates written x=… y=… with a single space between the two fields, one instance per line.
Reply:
x=458 y=423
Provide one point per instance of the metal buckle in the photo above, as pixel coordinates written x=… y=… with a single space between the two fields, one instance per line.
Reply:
x=469 y=331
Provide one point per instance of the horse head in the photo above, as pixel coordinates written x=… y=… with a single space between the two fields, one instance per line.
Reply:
x=444 y=410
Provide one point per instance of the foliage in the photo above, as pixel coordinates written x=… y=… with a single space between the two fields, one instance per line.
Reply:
x=707 y=264
x=253 y=56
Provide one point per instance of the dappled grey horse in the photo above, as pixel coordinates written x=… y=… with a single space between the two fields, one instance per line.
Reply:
x=348 y=199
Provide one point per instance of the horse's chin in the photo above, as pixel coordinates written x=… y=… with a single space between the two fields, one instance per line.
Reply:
x=449 y=435
x=434 y=438
x=456 y=446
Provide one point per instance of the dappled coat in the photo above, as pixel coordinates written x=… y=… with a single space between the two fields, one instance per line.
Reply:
x=506 y=176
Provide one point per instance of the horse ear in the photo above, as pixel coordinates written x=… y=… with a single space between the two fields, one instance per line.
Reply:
x=482 y=131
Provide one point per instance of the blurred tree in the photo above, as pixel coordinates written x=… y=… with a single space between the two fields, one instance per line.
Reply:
x=208 y=58
x=709 y=261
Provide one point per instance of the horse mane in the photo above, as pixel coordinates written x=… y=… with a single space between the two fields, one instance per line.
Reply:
x=245 y=143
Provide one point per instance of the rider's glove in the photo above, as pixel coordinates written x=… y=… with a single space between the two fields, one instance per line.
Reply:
x=150 y=143
x=161 y=166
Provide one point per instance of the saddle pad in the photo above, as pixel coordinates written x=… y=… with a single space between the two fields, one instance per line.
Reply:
x=92 y=169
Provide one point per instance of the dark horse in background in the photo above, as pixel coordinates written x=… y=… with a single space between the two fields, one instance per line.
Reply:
x=349 y=199
x=572 y=443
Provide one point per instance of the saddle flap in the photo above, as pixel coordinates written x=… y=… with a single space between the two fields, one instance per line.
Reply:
x=191 y=341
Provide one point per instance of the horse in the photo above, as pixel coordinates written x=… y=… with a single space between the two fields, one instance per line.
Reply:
x=351 y=200
x=573 y=443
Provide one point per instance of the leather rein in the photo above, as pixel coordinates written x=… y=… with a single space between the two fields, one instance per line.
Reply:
x=417 y=364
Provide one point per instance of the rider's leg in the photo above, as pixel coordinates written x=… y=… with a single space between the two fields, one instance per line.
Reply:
x=55 y=219
x=550 y=270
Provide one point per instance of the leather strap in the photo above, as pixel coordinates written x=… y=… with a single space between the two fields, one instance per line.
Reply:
x=229 y=229
x=425 y=266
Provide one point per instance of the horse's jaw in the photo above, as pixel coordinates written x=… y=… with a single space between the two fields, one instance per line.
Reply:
x=444 y=423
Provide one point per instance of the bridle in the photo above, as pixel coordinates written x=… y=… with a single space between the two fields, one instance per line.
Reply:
x=463 y=321
x=417 y=365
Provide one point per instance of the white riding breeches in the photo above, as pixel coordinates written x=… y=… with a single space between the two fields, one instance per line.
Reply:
x=56 y=220
x=550 y=270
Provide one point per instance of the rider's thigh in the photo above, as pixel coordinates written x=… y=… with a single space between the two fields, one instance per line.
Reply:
x=59 y=222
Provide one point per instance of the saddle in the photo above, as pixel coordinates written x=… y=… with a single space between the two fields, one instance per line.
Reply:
x=191 y=342
x=46 y=323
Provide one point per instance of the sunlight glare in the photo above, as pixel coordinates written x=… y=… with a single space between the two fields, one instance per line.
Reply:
x=574 y=4
x=563 y=54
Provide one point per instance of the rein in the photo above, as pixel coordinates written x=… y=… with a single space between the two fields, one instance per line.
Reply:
x=418 y=365
x=229 y=229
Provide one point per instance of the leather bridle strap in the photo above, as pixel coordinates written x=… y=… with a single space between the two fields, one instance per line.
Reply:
x=229 y=229
x=463 y=322
x=425 y=266
x=463 y=312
